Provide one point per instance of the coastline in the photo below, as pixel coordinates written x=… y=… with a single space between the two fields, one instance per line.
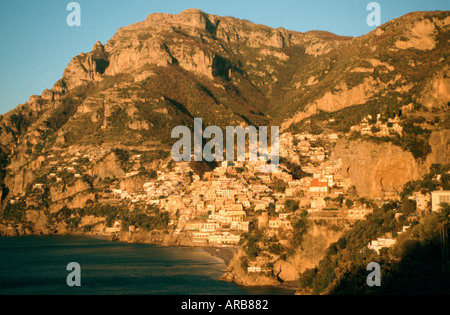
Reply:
x=223 y=254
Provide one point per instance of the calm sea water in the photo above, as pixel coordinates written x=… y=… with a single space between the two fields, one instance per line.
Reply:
x=37 y=265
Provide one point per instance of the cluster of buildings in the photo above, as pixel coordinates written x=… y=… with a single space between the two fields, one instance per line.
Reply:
x=380 y=243
x=379 y=128
x=385 y=242
x=217 y=209
x=423 y=203
x=432 y=200
x=59 y=168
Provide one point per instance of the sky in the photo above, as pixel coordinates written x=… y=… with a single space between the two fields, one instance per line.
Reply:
x=37 y=44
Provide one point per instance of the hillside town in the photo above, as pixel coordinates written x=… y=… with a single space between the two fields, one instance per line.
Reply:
x=218 y=207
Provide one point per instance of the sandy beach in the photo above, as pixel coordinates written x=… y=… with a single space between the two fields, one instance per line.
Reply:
x=223 y=253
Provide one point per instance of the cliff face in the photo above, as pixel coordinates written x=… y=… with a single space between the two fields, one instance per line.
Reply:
x=108 y=167
x=436 y=93
x=333 y=101
x=313 y=249
x=377 y=169
x=192 y=39
x=440 y=147
x=236 y=274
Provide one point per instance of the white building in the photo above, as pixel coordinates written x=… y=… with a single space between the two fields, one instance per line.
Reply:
x=422 y=201
x=358 y=214
x=318 y=187
x=438 y=197
x=381 y=243
x=254 y=269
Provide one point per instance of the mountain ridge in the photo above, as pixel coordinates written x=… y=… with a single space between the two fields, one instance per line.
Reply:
x=150 y=77
x=190 y=17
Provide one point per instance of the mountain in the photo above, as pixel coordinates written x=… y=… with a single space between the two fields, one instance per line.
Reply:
x=151 y=76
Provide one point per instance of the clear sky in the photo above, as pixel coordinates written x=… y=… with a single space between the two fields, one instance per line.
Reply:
x=37 y=44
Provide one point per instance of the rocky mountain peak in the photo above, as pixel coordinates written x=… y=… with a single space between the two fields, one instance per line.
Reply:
x=98 y=46
x=191 y=18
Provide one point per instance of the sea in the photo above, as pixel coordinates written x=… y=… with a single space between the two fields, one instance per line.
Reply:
x=37 y=265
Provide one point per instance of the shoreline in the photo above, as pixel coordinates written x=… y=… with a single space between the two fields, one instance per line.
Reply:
x=223 y=255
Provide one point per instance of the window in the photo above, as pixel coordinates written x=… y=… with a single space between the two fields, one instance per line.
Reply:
x=444 y=198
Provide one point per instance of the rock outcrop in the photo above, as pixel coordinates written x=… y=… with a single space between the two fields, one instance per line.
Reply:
x=108 y=167
x=236 y=274
x=377 y=169
x=313 y=249
x=436 y=93
x=440 y=148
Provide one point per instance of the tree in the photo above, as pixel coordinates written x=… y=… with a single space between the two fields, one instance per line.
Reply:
x=348 y=203
x=299 y=229
x=307 y=277
x=271 y=209
x=153 y=174
x=291 y=205
x=408 y=206
x=444 y=213
x=341 y=243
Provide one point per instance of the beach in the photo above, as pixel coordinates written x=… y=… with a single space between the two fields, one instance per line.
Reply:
x=225 y=254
